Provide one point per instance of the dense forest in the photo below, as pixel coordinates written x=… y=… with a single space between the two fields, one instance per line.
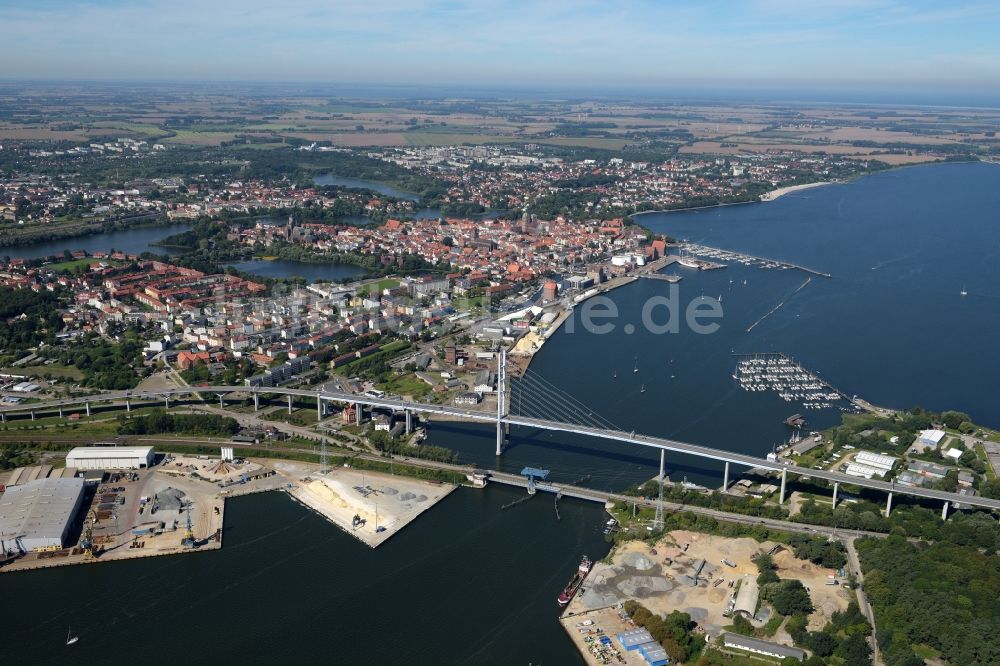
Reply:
x=943 y=595
x=27 y=318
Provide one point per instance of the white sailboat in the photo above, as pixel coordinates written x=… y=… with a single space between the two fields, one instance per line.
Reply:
x=963 y=292
x=70 y=638
x=635 y=368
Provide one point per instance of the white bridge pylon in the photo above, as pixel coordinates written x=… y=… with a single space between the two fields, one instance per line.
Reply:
x=501 y=396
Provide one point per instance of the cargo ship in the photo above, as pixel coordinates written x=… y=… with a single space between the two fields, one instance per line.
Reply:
x=574 y=584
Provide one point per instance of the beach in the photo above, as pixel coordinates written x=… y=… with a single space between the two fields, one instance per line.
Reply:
x=782 y=191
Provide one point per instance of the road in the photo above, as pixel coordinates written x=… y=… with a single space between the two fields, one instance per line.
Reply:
x=542 y=424
x=852 y=557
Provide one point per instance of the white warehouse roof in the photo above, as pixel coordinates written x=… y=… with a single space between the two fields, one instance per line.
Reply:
x=89 y=452
x=877 y=460
x=110 y=457
x=863 y=471
x=746 y=598
x=38 y=513
x=931 y=436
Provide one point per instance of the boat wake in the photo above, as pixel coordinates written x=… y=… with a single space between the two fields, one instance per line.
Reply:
x=780 y=305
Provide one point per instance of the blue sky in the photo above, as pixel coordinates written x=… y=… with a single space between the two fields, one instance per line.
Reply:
x=641 y=43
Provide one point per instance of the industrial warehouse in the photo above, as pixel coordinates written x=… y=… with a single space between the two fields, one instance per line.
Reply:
x=110 y=457
x=38 y=515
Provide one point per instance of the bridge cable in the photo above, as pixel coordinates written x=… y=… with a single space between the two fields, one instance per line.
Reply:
x=541 y=401
x=565 y=405
x=596 y=419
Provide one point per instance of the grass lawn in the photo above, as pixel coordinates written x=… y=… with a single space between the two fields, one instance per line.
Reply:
x=408 y=384
x=394 y=346
x=54 y=370
x=299 y=417
x=981 y=454
x=771 y=627
x=73 y=264
x=57 y=426
x=377 y=287
x=385 y=352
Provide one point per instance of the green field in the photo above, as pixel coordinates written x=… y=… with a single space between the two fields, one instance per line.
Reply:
x=377 y=287
x=408 y=384
x=54 y=370
x=73 y=264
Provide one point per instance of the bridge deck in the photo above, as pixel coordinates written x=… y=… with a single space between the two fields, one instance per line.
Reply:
x=543 y=424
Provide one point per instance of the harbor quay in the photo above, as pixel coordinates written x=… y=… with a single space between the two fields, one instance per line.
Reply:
x=370 y=506
x=177 y=506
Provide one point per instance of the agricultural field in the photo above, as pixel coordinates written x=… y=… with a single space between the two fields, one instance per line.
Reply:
x=197 y=117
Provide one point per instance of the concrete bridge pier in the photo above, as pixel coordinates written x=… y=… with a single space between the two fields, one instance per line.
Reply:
x=256 y=401
x=60 y=412
x=166 y=401
x=3 y=416
x=888 y=505
x=944 y=510
x=725 y=478
x=32 y=415
x=781 y=496
x=409 y=421
x=87 y=405
x=319 y=407
x=357 y=413
x=290 y=402
x=128 y=405
x=836 y=487
x=222 y=404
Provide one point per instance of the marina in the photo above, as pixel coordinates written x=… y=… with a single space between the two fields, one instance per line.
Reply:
x=745 y=259
x=777 y=373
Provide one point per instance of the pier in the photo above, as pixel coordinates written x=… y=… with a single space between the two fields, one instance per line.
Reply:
x=748 y=259
x=672 y=279
x=814 y=383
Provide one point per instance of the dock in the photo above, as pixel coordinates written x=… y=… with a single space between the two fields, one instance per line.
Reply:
x=815 y=381
x=749 y=259
x=672 y=279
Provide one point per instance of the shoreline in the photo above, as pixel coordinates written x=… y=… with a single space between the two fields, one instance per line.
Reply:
x=23 y=238
x=782 y=191
x=771 y=196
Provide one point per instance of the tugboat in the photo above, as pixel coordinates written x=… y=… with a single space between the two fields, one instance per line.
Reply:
x=574 y=584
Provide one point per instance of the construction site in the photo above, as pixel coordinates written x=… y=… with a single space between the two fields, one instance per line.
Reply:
x=711 y=578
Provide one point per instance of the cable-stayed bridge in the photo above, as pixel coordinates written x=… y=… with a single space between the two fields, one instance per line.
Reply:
x=530 y=402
